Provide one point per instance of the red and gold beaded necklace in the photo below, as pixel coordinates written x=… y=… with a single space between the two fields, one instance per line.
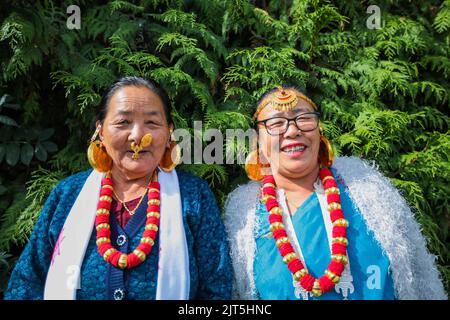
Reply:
x=106 y=250
x=339 y=233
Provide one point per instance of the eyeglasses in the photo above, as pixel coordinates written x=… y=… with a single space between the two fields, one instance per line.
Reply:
x=305 y=122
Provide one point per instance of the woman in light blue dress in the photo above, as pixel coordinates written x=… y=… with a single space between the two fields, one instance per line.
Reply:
x=365 y=245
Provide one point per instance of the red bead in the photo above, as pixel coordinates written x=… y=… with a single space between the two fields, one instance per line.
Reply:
x=106 y=192
x=307 y=282
x=277 y=234
x=154 y=195
x=339 y=231
x=330 y=183
x=285 y=248
x=325 y=283
x=103 y=218
x=103 y=232
x=295 y=265
x=275 y=218
x=269 y=191
x=150 y=233
x=336 y=267
x=271 y=203
x=336 y=214
x=337 y=248
x=104 y=205
x=325 y=172
x=153 y=220
x=107 y=181
x=103 y=248
x=114 y=258
x=154 y=185
x=268 y=179
x=133 y=261
x=144 y=247
x=154 y=208
x=333 y=197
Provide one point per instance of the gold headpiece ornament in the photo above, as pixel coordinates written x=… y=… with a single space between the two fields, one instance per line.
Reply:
x=283 y=99
x=145 y=141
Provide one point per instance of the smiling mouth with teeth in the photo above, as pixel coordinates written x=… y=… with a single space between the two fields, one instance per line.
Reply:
x=294 y=149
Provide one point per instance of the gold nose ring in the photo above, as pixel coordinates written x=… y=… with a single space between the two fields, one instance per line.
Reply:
x=146 y=140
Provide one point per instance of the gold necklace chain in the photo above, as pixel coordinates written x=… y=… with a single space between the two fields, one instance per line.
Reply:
x=131 y=212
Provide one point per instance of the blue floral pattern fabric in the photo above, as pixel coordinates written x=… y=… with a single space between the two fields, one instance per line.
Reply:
x=209 y=261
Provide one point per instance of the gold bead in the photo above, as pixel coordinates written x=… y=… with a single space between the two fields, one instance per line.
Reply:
x=122 y=261
x=153 y=190
x=276 y=210
x=340 y=258
x=268 y=184
x=151 y=226
x=148 y=240
x=102 y=211
x=102 y=226
x=287 y=258
x=266 y=197
x=154 y=201
x=140 y=254
x=340 y=240
x=108 y=253
x=316 y=291
x=281 y=240
x=333 y=277
x=299 y=274
x=108 y=186
x=276 y=225
x=334 y=206
x=327 y=178
x=341 y=222
x=103 y=240
x=332 y=190
x=105 y=198
x=153 y=214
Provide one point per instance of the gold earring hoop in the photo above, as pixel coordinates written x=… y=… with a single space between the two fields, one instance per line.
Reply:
x=97 y=156
x=325 y=152
x=255 y=169
x=171 y=157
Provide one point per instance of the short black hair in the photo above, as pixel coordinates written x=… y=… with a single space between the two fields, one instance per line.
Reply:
x=136 y=82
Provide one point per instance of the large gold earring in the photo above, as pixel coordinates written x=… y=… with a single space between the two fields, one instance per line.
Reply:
x=171 y=157
x=325 y=152
x=97 y=155
x=255 y=169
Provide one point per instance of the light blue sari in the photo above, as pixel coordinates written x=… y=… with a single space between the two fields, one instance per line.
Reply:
x=368 y=264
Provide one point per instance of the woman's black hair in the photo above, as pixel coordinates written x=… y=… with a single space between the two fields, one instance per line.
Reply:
x=136 y=82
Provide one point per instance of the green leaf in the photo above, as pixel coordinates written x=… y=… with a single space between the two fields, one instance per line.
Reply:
x=50 y=146
x=3 y=189
x=12 y=153
x=26 y=154
x=8 y=121
x=40 y=152
x=45 y=134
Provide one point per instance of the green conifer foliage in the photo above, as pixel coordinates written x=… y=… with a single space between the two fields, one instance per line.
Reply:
x=384 y=93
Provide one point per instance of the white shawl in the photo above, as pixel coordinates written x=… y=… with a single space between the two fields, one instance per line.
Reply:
x=63 y=277
x=385 y=212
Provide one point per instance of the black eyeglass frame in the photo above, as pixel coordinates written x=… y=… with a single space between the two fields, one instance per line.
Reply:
x=318 y=114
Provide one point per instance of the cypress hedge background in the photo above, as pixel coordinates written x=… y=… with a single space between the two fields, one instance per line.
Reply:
x=384 y=92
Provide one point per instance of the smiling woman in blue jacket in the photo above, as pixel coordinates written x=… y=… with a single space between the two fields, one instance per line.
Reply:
x=134 y=227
